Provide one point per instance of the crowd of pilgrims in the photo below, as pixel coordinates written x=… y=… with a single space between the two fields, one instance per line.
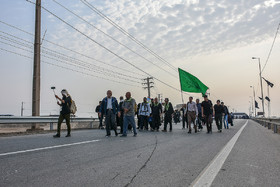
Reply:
x=151 y=114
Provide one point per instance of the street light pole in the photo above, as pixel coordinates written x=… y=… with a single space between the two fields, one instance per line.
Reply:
x=260 y=82
x=252 y=105
x=254 y=100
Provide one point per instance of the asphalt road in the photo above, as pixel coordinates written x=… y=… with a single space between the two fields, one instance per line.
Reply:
x=150 y=159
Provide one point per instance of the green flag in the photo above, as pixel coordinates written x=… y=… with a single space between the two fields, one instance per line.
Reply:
x=190 y=83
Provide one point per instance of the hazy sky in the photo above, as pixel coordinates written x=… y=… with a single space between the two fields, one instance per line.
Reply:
x=213 y=40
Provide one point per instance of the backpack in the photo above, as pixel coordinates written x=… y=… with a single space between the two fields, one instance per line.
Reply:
x=73 y=107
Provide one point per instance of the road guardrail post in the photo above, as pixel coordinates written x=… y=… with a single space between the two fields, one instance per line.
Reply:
x=51 y=126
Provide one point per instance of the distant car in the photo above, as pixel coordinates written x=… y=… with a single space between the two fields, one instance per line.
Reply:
x=6 y=115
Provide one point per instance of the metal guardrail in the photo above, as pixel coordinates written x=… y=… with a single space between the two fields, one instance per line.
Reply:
x=272 y=124
x=40 y=120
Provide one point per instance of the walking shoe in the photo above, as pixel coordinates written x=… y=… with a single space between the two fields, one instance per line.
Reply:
x=56 y=136
x=68 y=135
x=220 y=130
x=123 y=135
x=195 y=131
x=227 y=128
x=190 y=132
x=135 y=135
x=183 y=128
x=116 y=134
x=164 y=130
x=107 y=136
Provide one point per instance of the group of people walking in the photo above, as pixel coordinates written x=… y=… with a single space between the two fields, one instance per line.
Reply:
x=149 y=114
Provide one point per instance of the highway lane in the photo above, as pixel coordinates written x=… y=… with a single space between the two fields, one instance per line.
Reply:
x=151 y=159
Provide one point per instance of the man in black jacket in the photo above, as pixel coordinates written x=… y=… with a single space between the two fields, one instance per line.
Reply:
x=168 y=112
x=225 y=114
x=120 y=119
x=156 y=113
x=65 y=103
x=97 y=109
x=218 y=113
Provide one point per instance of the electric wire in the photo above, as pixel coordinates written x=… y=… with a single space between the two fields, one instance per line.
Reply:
x=271 y=47
x=102 y=46
x=58 y=45
x=93 y=8
x=67 y=62
x=114 y=39
x=75 y=60
x=64 y=67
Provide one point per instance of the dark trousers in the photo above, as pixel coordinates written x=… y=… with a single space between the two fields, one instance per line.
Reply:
x=184 y=121
x=143 y=122
x=100 y=120
x=168 y=119
x=60 y=120
x=199 y=121
x=110 y=121
x=120 y=123
x=208 y=122
x=156 y=122
x=219 y=121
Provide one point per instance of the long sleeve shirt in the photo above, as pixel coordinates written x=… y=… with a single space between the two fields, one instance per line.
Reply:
x=145 y=109
x=191 y=107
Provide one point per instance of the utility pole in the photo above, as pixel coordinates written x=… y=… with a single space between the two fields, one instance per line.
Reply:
x=37 y=63
x=148 y=85
x=21 y=110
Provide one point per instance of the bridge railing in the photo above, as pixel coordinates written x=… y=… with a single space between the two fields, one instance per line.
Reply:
x=273 y=124
x=17 y=121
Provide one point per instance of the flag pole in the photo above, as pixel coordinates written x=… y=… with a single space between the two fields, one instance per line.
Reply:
x=181 y=87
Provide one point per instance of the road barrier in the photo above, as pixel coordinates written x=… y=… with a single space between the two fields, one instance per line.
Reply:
x=273 y=124
x=16 y=122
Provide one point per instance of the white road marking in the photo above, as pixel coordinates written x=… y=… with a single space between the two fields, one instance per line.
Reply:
x=45 y=148
x=208 y=175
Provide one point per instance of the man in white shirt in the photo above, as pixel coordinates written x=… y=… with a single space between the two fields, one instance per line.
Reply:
x=144 y=112
x=192 y=114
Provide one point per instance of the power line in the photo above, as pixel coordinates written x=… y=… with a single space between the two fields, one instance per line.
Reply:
x=271 y=47
x=75 y=60
x=64 y=67
x=81 y=54
x=67 y=62
x=102 y=46
x=114 y=39
x=62 y=56
x=93 y=8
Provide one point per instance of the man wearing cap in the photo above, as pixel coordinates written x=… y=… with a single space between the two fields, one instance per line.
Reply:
x=109 y=108
x=65 y=103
